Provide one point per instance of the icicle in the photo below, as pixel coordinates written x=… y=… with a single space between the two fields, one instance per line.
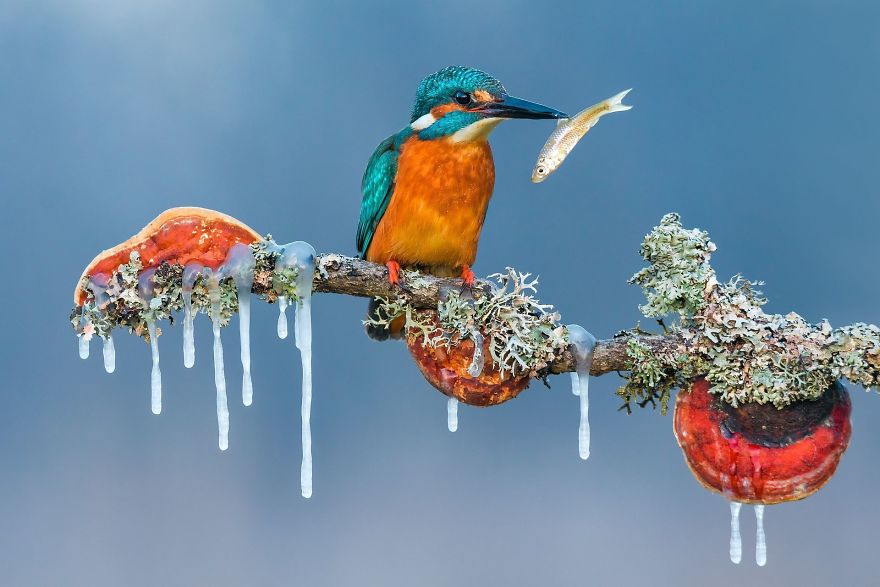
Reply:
x=190 y=274
x=83 y=341
x=219 y=375
x=575 y=383
x=240 y=265
x=301 y=256
x=583 y=342
x=155 y=374
x=282 y=316
x=735 y=536
x=761 y=544
x=452 y=414
x=109 y=354
x=98 y=286
x=584 y=425
x=145 y=288
x=86 y=335
x=476 y=366
x=303 y=332
x=244 y=328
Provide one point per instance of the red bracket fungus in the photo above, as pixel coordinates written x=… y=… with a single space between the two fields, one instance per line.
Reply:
x=446 y=368
x=178 y=236
x=759 y=454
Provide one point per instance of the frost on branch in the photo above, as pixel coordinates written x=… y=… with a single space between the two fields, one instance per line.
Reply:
x=746 y=354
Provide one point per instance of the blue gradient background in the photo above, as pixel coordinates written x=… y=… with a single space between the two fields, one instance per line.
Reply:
x=754 y=120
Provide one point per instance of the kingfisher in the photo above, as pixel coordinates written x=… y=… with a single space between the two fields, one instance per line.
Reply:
x=426 y=188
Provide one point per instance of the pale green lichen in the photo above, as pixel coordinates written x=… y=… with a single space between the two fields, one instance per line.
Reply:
x=679 y=271
x=124 y=305
x=524 y=336
x=746 y=354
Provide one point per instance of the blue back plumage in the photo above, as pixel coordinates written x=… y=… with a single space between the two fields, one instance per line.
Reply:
x=377 y=186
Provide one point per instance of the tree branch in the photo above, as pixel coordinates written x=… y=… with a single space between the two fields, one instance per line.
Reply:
x=719 y=330
x=355 y=277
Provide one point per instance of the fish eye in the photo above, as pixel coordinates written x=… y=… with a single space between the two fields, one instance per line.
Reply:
x=462 y=98
x=541 y=170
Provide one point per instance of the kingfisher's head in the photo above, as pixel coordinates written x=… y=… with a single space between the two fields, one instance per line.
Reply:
x=466 y=104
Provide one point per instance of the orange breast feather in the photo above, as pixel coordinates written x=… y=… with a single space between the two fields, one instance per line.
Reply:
x=436 y=213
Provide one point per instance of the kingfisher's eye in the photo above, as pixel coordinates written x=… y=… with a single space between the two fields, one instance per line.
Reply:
x=462 y=98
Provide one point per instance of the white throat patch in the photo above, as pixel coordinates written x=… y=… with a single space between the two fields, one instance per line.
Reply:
x=476 y=131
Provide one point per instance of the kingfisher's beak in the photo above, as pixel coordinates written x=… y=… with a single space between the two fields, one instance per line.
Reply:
x=510 y=107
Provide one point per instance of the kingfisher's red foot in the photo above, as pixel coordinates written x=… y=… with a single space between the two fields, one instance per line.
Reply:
x=393 y=272
x=468 y=276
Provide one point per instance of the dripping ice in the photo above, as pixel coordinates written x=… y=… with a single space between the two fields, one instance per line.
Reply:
x=155 y=373
x=145 y=288
x=735 y=536
x=282 y=317
x=83 y=341
x=240 y=266
x=761 y=542
x=477 y=362
x=452 y=414
x=109 y=352
x=300 y=256
x=583 y=343
x=98 y=284
x=190 y=273
x=213 y=283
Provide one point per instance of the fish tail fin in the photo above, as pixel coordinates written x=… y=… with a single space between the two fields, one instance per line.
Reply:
x=615 y=103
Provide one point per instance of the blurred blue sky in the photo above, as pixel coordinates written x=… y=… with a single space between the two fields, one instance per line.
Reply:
x=753 y=120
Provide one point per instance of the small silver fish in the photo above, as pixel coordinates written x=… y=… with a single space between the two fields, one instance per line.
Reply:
x=571 y=130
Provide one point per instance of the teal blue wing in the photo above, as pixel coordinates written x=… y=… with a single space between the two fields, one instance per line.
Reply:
x=377 y=187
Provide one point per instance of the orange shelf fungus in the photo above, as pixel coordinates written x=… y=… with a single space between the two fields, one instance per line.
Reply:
x=177 y=236
x=198 y=260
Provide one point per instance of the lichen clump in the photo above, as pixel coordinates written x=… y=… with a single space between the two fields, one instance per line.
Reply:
x=747 y=355
x=124 y=305
x=524 y=335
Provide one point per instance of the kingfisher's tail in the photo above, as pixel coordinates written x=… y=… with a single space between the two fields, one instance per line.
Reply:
x=394 y=330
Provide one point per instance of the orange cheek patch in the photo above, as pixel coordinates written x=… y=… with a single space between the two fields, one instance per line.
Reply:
x=178 y=236
x=439 y=111
x=484 y=96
